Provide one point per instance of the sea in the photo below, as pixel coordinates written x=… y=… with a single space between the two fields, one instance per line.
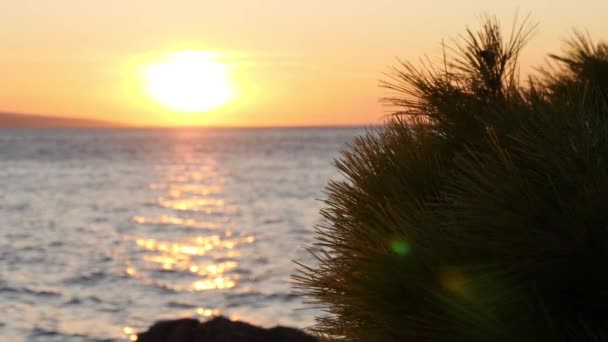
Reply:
x=105 y=231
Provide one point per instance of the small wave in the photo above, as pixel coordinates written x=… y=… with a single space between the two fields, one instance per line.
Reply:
x=285 y=297
x=225 y=259
x=180 y=305
x=17 y=236
x=25 y=290
x=175 y=221
x=19 y=207
x=241 y=271
x=261 y=261
x=87 y=279
x=56 y=243
x=47 y=335
x=42 y=332
x=79 y=300
x=272 y=221
x=162 y=287
x=167 y=270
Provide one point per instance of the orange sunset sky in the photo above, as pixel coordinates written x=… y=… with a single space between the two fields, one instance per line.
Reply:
x=282 y=63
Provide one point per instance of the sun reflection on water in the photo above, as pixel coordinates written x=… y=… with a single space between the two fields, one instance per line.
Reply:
x=130 y=333
x=185 y=240
x=205 y=256
x=208 y=312
x=183 y=257
x=207 y=205
x=175 y=221
x=179 y=190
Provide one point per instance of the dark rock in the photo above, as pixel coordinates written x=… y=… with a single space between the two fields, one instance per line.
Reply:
x=219 y=329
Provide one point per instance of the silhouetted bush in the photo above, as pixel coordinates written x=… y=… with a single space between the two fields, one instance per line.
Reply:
x=478 y=212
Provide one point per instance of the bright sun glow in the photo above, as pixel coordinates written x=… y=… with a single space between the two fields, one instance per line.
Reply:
x=188 y=81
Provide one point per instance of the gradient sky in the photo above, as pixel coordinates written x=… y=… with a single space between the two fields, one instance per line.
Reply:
x=314 y=62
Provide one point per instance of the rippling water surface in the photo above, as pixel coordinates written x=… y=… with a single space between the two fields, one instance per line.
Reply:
x=103 y=232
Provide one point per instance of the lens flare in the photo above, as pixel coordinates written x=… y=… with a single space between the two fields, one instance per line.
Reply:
x=400 y=247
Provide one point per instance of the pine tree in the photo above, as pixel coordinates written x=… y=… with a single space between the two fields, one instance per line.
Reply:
x=477 y=212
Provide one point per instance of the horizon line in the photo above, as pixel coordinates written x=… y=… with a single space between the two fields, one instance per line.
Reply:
x=192 y=127
x=28 y=121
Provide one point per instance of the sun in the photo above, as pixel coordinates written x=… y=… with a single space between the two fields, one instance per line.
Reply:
x=188 y=82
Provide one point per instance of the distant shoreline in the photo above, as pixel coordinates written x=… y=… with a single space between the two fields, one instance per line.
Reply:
x=31 y=121
x=14 y=120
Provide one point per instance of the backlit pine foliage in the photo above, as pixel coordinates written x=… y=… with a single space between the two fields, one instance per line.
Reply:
x=479 y=210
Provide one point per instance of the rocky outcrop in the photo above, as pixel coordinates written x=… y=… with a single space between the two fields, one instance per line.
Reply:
x=219 y=329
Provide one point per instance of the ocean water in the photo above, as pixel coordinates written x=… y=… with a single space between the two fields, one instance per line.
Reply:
x=104 y=231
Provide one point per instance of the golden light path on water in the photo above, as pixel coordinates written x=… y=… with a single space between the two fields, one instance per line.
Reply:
x=206 y=254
